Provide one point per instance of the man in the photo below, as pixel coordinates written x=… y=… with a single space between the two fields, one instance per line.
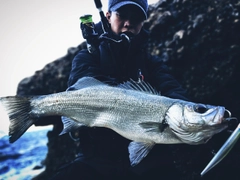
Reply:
x=120 y=56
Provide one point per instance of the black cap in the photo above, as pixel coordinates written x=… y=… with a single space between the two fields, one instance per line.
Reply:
x=114 y=5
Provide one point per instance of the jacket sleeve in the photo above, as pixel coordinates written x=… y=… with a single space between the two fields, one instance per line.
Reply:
x=85 y=64
x=164 y=81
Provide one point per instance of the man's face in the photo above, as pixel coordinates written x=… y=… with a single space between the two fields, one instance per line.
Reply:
x=127 y=18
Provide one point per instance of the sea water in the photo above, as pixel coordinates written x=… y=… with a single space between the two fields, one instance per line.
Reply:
x=23 y=159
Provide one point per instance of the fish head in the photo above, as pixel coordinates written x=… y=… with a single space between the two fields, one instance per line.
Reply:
x=195 y=123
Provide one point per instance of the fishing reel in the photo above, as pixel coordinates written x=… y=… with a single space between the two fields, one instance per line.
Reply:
x=93 y=39
x=88 y=32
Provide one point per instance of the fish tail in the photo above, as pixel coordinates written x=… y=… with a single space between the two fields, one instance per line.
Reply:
x=18 y=109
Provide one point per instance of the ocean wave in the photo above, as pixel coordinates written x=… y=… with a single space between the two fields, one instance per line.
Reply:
x=20 y=159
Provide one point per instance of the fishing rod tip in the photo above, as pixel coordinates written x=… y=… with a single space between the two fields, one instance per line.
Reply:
x=204 y=172
x=207 y=168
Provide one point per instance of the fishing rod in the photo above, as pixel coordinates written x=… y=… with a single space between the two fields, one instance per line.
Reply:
x=224 y=150
x=105 y=24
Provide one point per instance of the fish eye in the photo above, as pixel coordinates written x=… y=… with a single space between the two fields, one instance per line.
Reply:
x=200 y=108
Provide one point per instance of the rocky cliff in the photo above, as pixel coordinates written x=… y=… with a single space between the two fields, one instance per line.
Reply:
x=200 y=41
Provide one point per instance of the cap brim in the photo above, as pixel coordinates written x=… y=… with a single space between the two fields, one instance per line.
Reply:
x=123 y=3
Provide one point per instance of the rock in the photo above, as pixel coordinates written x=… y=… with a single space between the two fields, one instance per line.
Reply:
x=200 y=42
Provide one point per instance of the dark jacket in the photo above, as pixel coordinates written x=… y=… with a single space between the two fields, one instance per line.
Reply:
x=115 y=63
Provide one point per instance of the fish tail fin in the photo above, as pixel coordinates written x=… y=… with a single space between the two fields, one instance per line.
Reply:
x=18 y=109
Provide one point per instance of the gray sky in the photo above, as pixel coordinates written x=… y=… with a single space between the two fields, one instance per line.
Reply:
x=34 y=33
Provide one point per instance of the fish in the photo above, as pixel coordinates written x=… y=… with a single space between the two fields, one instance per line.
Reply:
x=135 y=110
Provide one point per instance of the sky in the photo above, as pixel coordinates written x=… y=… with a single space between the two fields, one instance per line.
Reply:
x=34 y=33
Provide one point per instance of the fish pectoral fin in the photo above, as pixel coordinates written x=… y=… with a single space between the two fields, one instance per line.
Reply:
x=153 y=126
x=69 y=125
x=138 y=151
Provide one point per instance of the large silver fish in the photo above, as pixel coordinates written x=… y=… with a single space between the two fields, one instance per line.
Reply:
x=134 y=110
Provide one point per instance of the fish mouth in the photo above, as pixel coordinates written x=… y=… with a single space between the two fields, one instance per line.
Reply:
x=222 y=120
x=222 y=115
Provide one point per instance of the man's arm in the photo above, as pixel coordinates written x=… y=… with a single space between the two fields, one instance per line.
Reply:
x=87 y=65
x=164 y=81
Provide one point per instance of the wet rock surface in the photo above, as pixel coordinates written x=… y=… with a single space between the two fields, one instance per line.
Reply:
x=200 y=41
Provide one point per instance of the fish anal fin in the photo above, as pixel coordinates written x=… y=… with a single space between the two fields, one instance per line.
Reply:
x=69 y=125
x=138 y=151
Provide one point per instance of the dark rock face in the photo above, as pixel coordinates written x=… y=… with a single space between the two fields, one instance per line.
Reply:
x=200 y=41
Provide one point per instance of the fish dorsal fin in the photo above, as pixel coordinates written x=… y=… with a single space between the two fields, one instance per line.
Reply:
x=139 y=86
x=85 y=82
x=138 y=151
